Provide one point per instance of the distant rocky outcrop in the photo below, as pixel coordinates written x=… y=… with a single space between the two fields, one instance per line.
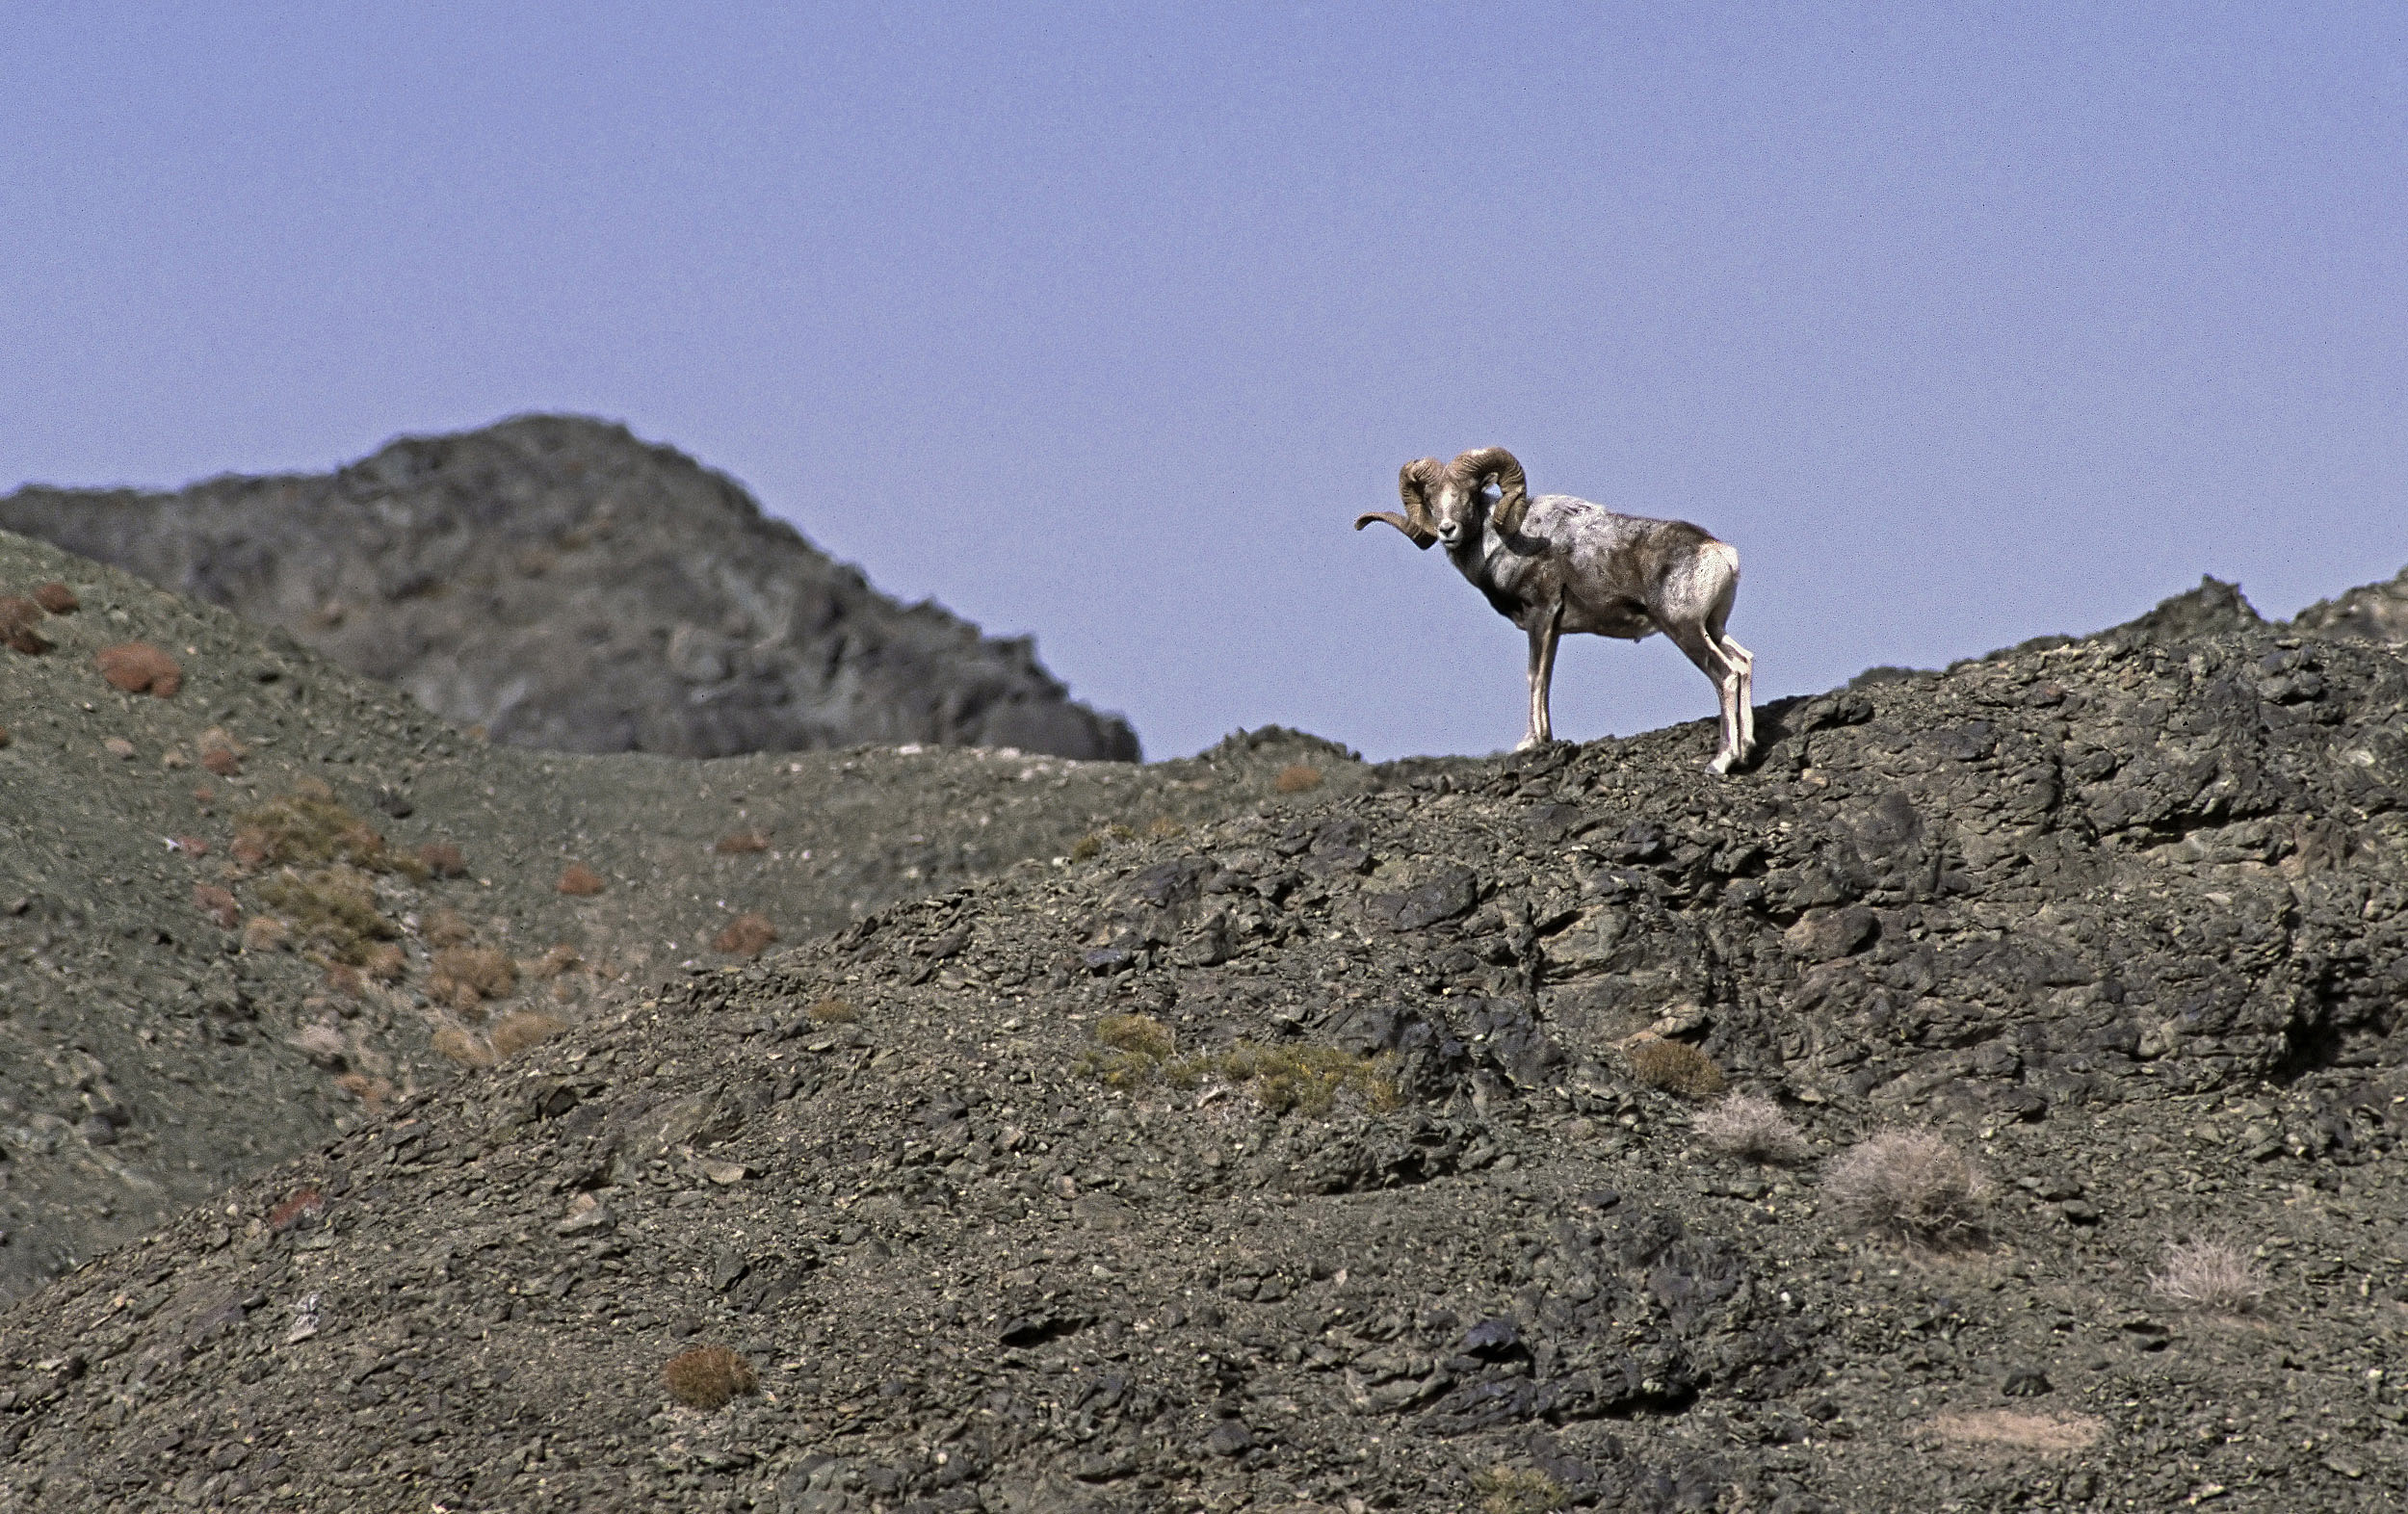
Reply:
x=565 y=586
x=2370 y=612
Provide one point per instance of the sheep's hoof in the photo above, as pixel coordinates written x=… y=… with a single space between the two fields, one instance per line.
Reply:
x=1721 y=766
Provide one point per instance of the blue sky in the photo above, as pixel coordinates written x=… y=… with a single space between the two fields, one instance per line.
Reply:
x=1964 y=323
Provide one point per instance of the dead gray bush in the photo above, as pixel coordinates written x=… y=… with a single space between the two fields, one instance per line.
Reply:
x=2214 y=1275
x=1911 y=1184
x=1752 y=1126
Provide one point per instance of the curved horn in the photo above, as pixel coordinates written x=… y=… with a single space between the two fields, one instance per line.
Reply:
x=1412 y=479
x=1512 y=488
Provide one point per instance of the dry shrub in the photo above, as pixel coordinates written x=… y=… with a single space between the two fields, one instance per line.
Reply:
x=371 y=1092
x=446 y=928
x=746 y=935
x=1300 y=777
x=218 y=904
x=1674 y=1067
x=139 y=667
x=2214 y=1275
x=5 y=736
x=560 y=958
x=708 y=1377
x=2007 y=1430
x=303 y=1203
x=460 y=1046
x=265 y=933
x=384 y=962
x=21 y=620
x=1164 y=829
x=521 y=1028
x=57 y=599
x=1134 y=1048
x=833 y=1012
x=308 y=826
x=1909 y=1185
x=334 y=909
x=1304 y=1078
x=580 y=880
x=1752 y=1126
x=1086 y=849
x=346 y=980
x=323 y=1045
x=442 y=859
x=466 y=975
x=741 y=841
x=219 y=753
x=1518 y=1490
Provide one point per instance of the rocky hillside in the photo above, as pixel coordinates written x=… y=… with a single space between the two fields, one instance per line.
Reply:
x=222 y=941
x=2376 y=612
x=561 y=585
x=1379 y=1152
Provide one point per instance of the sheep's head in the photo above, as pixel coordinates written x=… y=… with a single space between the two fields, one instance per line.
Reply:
x=1443 y=501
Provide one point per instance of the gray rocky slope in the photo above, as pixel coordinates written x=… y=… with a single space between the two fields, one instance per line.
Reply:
x=1356 y=1156
x=564 y=586
x=159 y=1039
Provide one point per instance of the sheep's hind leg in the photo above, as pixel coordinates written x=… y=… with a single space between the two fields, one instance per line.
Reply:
x=1744 y=661
x=1736 y=723
x=1542 y=677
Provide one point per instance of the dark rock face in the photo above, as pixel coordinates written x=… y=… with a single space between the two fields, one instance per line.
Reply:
x=1016 y=1197
x=566 y=587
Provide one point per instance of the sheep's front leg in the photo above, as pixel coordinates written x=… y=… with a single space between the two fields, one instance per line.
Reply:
x=1542 y=676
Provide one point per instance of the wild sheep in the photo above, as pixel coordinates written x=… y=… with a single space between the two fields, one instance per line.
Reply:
x=1555 y=563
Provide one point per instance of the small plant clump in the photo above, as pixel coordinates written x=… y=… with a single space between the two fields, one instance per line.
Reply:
x=740 y=842
x=219 y=753
x=1300 y=777
x=746 y=935
x=1137 y=1050
x=1752 y=1126
x=1086 y=849
x=218 y=904
x=20 y=621
x=465 y=977
x=1911 y=1184
x=447 y=927
x=139 y=667
x=833 y=1012
x=1162 y=827
x=443 y=860
x=460 y=1046
x=333 y=910
x=708 y=1377
x=1518 y=1490
x=521 y=1028
x=310 y=827
x=1674 y=1067
x=580 y=881
x=2214 y=1275
x=57 y=599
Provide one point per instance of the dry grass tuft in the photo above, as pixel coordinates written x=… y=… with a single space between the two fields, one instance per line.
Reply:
x=1086 y=849
x=580 y=880
x=833 y=1012
x=308 y=826
x=2005 y=1429
x=57 y=599
x=218 y=904
x=344 y=978
x=1752 y=1126
x=460 y=1046
x=333 y=910
x=371 y=1092
x=1518 y=1490
x=467 y=976
x=1162 y=827
x=219 y=753
x=740 y=842
x=447 y=927
x=323 y=1045
x=2214 y=1275
x=443 y=860
x=20 y=621
x=265 y=933
x=1137 y=1050
x=139 y=667
x=708 y=1377
x=385 y=962
x=1300 y=777
x=521 y=1028
x=1674 y=1067
x=1911 y=1185
x=746 y=935
x=560 y=958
